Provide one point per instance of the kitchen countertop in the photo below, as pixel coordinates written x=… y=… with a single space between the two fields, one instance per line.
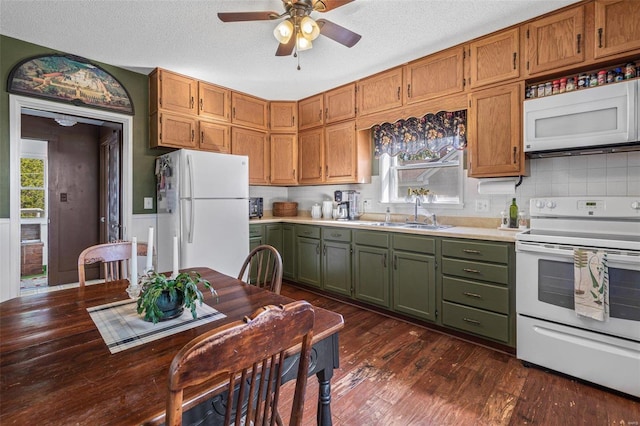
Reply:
x=474 y=233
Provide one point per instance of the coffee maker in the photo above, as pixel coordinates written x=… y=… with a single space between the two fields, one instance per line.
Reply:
x=348 y=204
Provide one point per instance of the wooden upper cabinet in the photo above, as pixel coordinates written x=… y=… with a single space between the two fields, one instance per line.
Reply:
x=495 y=58
x=311 y=112
x=311 y=156
x=380 y=92
x=617 y=26
x=283 y=116
x=555 y=41
x=340 y=104
x=214 y=137
x=341 y=153
x=255 y=145
x=172 y=92
x=173 y=130
x=248 y=111
x=495 y=136
x=214 y=102
x=284 y=159
x=435 y=75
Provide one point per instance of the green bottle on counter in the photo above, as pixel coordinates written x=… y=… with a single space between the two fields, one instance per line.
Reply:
x=513 y=214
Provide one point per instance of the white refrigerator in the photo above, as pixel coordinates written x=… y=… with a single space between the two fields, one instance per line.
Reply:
x=203 y=199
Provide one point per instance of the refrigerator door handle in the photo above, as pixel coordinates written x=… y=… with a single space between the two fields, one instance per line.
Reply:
x=190 y=199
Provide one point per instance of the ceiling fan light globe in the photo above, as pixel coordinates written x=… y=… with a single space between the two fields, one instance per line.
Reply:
x=309 y=28
x=302 y=43
x=283 y=31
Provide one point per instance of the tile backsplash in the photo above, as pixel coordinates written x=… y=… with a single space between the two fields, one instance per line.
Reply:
x=593 y=175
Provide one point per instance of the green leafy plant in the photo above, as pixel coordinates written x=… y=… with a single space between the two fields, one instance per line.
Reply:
x=155 y=284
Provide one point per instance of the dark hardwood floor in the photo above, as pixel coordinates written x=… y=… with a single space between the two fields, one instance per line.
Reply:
x=395 y=373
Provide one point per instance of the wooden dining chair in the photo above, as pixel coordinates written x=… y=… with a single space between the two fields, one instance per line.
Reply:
x=115 y=258
x=247 y=358
x=263 y=268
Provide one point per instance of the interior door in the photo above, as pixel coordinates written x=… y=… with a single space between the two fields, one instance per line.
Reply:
x=110 y=185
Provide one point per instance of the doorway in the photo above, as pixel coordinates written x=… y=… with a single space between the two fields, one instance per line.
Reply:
x=17 y=104
x=83 y=194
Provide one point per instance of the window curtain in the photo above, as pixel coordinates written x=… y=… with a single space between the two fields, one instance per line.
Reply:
x=428 y=138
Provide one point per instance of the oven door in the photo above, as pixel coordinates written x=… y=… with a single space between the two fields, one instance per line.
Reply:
x=545 y=288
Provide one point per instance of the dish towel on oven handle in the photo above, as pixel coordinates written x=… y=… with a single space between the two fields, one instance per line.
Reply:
x=591 y=284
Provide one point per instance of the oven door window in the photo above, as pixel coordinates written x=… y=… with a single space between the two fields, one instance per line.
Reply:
x=555 y=286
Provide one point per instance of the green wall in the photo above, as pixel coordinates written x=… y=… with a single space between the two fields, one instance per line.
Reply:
x=13 y=51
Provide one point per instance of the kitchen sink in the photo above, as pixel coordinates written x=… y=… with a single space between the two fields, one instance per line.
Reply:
x=424 y=226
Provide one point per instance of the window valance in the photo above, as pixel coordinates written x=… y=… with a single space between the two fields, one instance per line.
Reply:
x=427 y=138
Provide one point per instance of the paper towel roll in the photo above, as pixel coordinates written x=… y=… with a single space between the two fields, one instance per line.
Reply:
x=497 y=186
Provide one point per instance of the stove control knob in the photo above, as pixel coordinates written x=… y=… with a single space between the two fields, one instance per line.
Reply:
x=539 y=204
x=551 y=204
x=635 y=205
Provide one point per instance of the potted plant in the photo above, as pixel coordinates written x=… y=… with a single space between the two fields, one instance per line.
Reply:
x=164 y=298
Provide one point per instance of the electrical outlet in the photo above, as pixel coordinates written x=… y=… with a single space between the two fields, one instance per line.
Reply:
x=367 y=203
x=148 y=203
x=482 y=205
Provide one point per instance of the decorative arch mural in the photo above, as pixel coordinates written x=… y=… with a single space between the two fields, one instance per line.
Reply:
x=70 y=79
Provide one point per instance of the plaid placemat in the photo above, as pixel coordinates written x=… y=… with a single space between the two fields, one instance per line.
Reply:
x=122 y=327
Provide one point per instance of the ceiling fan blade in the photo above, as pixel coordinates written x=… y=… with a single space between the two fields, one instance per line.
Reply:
x=338 y=33
x=285 y=49
x=327 y=5
x=247 y=16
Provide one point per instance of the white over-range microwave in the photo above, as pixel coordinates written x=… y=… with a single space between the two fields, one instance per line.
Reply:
x=594 y=120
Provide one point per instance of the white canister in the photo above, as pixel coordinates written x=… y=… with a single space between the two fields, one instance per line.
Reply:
x=315 y=211
x=327 y=209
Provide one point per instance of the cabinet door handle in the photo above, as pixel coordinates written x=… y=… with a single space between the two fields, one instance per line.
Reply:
x=471 y=271
x=201 y=136
x=336 y=235
x=201 y=104
x=233 y=112
x=395 y=262
x=475 y=295
x=471 y=321
x=326 y=113
x=600 y=38
x=408 y=90
x=398 y=92
x=578 y=38
x=471 y=251
x=515 y=55
x=193 y=135
x=318 y=249
x=384 y=260
x=294 y=173
x=324 y=250
x=192 y=102
x=293 y=121
x=515 y=156
x=326 y=170
x=320 y=114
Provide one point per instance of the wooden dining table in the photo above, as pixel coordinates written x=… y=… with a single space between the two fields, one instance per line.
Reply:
x=55 y=367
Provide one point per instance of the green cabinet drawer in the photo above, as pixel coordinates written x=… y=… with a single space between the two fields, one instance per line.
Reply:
x=479 y=295
x=414 y=243
x=255 y=230
x=476 y=270
x=472 y=250
x=476 y=321
x=371 y=238
x=336 y=234
x=308 y=231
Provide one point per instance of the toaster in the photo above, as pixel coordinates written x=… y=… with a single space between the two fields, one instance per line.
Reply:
x=255 y=207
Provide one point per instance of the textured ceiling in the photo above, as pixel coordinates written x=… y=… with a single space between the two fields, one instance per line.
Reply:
x=187 y=37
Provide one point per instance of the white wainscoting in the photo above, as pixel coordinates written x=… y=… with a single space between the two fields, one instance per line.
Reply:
x=7 y=289
x=140 y=224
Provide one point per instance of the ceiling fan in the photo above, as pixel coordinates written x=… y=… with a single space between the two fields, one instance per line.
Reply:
x=298 y=30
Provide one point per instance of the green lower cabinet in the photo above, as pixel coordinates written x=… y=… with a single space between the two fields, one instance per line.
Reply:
x=372 y=275
x=273 y=235
x=255 y=240
x=336 y=267
x=308 y=261
x=414 y=284
x=288 y=251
